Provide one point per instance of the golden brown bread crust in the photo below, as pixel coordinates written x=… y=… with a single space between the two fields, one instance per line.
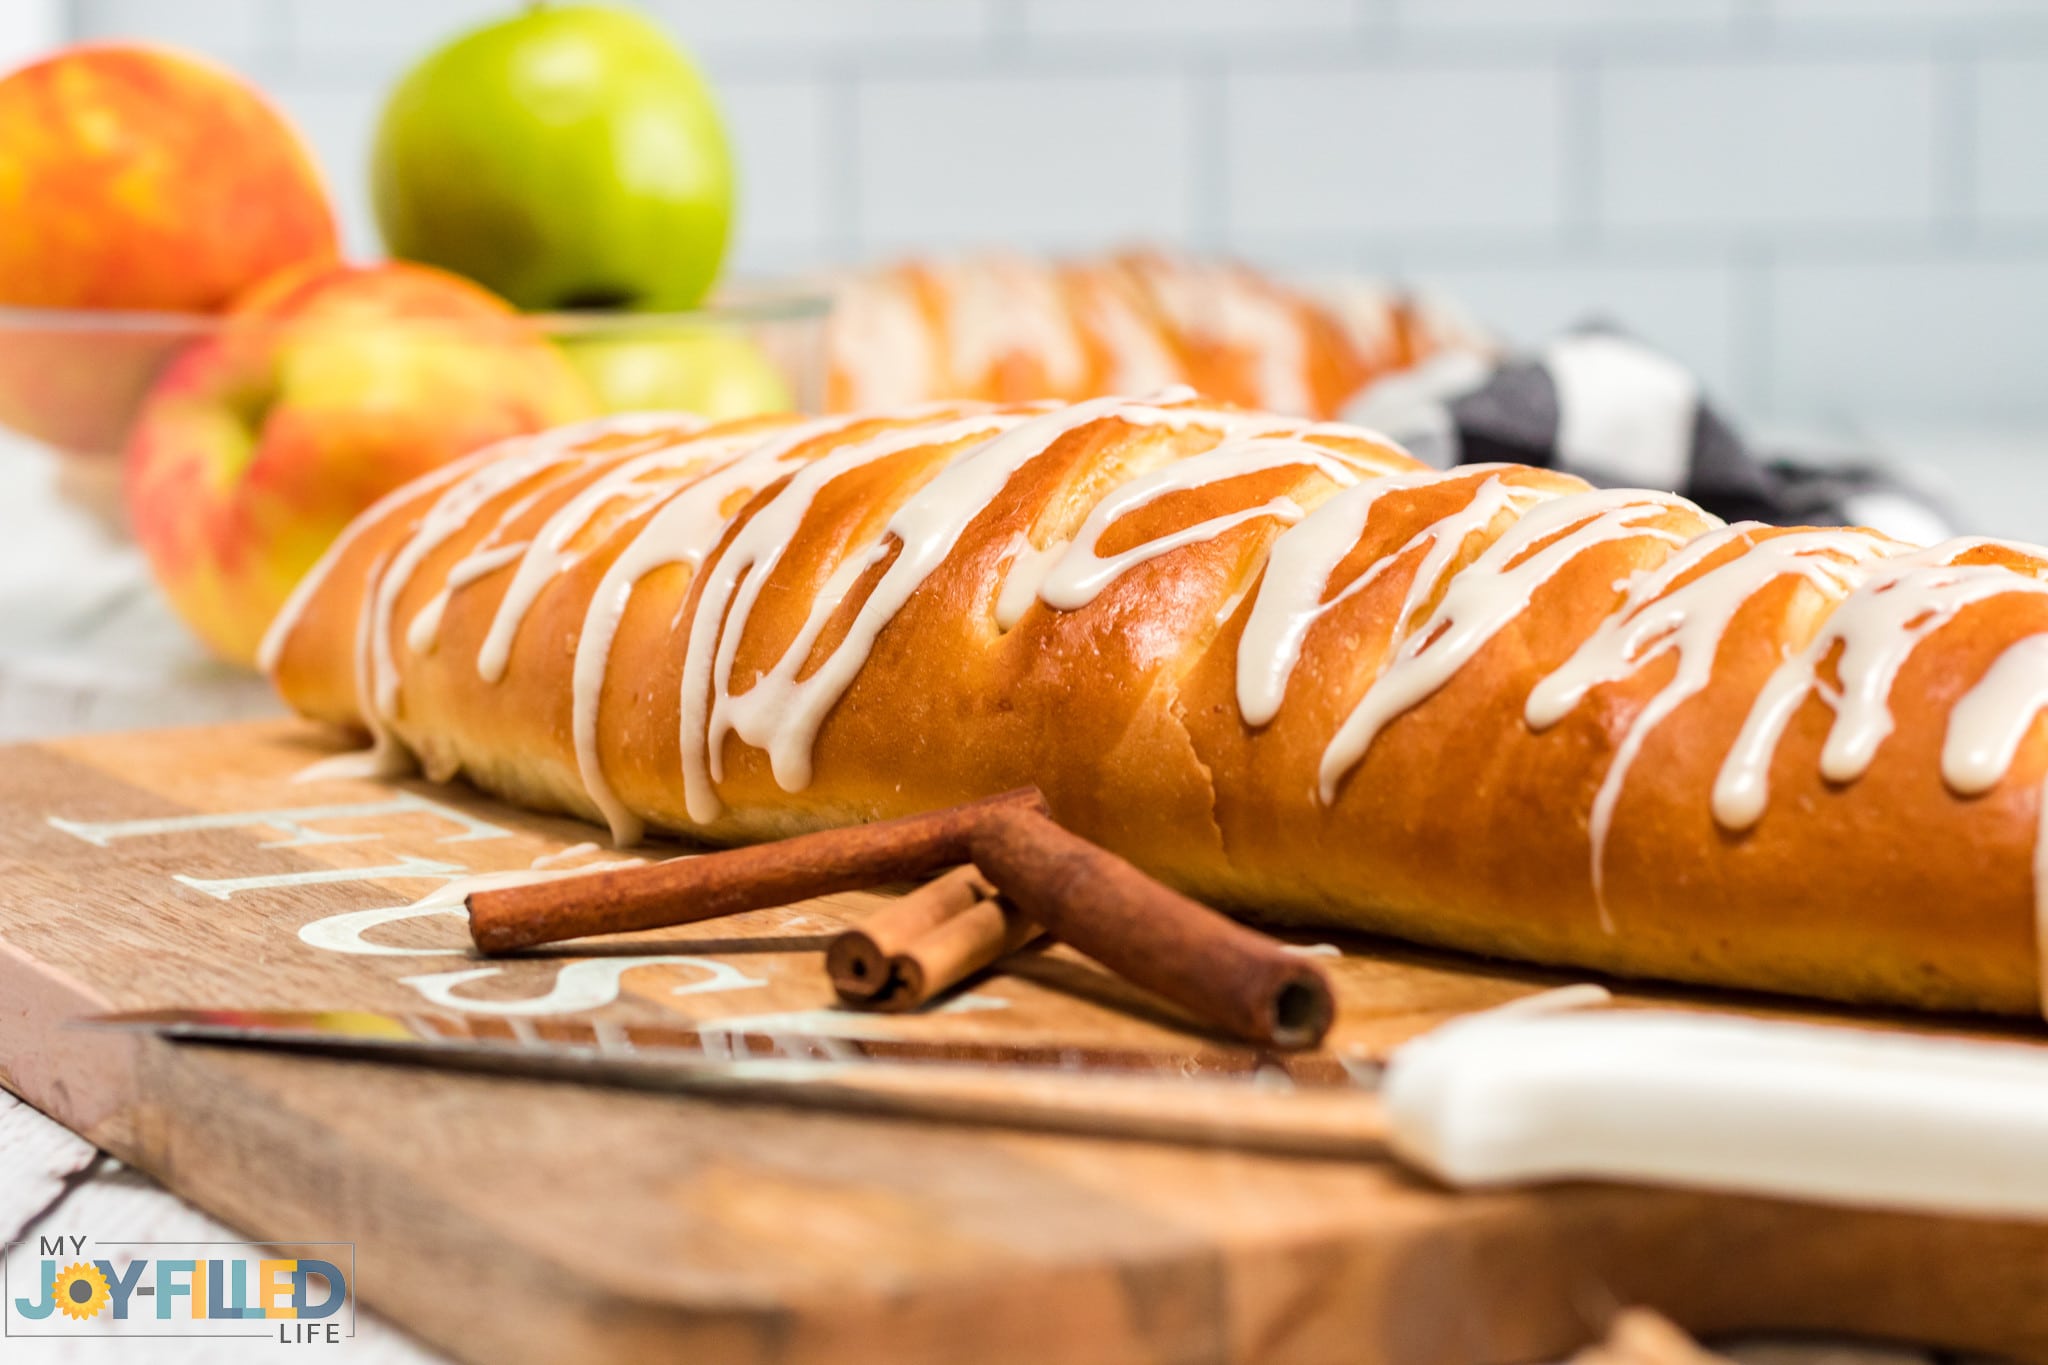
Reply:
x=1005 y=328
x=1461 y=824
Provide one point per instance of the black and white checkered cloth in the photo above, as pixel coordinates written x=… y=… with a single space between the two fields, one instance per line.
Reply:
x=1601 y=405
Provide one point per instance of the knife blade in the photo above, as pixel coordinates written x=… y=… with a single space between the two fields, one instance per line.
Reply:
x=1097 y=1098
x=1529 y=1093
x=811 y=1035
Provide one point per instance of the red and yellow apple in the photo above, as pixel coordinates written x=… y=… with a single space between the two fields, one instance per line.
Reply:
x=134 y=178
x=326 y=388
x=138 y=177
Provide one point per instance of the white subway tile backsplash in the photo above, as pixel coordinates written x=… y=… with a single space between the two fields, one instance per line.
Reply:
x=1912 y=338
x=28 y=29
x=1381 y=151
x=1821 y=204
x=1688 y=311
x=232 y=31
x=2010 y=167
x=1760 y=145
x=797 y=28
x=1950 y=14
x=1593 y=16
x=384 y=35
x=1032 y=161
x=1164 y=20
x=778 y=131
x=340 y=122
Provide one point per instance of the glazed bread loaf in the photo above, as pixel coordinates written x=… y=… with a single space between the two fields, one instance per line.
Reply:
x=1001 y=327
x=1279 y=663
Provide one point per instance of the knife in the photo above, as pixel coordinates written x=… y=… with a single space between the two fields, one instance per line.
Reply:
x=811 y=1035
x=1532 y=1092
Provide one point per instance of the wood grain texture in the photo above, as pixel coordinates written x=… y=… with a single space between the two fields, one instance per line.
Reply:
x=598 y=1225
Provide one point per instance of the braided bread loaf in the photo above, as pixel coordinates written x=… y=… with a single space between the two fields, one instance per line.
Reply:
x=1006 y=328
x=1279 y=663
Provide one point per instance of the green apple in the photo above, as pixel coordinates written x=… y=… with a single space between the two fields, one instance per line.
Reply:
x=715 y=374
x=567 y=157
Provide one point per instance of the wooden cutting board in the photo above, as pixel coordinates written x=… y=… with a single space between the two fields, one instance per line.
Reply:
x=510 y=1220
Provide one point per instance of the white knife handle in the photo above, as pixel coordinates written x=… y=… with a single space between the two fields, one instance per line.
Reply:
x=1834 y=1115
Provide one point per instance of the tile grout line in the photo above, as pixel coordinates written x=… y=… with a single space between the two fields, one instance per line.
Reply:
x=1954 y=148
x=277 y=36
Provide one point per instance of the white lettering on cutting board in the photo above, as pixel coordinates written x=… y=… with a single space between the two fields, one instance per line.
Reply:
x=343 y=933
x=220 y=888
x=295 y=823
x=579 y=986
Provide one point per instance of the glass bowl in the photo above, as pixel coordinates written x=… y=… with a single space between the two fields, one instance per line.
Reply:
x=77 y=381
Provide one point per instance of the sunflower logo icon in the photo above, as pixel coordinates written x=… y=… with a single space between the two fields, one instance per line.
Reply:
x=80 y=1291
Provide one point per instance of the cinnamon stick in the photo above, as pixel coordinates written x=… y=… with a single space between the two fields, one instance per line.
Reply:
x=687 y=890
x=1215 y=969
x=949 y=953
x=927 y=942
x=861 y=960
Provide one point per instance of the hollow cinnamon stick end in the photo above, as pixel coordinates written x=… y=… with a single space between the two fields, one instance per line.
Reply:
x=858 y=967
x=1301 y=1009
x=907 y=990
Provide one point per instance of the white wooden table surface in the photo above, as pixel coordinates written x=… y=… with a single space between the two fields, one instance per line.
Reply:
x=87 y=644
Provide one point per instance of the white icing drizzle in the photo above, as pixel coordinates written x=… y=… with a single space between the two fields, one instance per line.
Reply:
x=682 y=531
x=1657 y=619
x=1888 y=598
x=1367 y=311
x=780 y=714
x=777 y=713
x=1004 y=305
x=1227 y=608
x=537 y=457
x=1870 y=636
x=549 y=554
x=354 y=764
x=882 y=348
x=1985 y=730
x=387 y=755
x=1138 y=357
x=565 y=856
x=1987 y=725
x=1028 y=568
x=424 y=632
x=1485 y=596
x=1289 y=599
x=1239 y=312
x=537 y=569
x=465 y=486
x=1081 y=574
x=287 y=619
